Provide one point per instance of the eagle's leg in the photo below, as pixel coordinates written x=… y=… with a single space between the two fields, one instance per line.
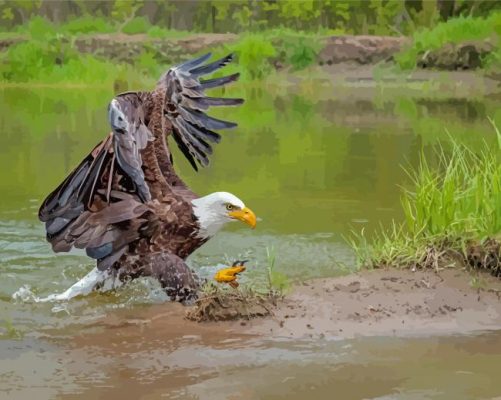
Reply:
x=178 y=280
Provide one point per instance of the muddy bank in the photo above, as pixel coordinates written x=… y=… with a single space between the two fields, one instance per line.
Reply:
x=370 y=303
x=126 y=48
x=387 y=302
x=358 y=50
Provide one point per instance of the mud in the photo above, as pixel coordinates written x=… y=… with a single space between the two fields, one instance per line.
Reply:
x=360 y=49
x=230 y=305
x=387 y=302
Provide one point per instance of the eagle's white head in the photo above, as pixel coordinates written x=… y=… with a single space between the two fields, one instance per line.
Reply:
x=216 y=209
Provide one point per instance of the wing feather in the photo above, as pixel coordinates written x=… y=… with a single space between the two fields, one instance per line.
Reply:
x=186 y=104
x=99 y=205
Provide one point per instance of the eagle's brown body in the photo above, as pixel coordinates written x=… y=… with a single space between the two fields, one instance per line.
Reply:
x=124 y=203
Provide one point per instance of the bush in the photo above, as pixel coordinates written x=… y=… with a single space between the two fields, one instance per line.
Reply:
x=455 y=30
x=137 y=25
x=301 y=52
x=87 y=24
x=55 y=61
x=254 y=52
x=157 y=32
x=39 y=28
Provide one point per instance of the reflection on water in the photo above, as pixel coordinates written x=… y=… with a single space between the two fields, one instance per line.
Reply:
x=313 y=166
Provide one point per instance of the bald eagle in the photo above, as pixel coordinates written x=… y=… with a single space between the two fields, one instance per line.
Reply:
x=126 y=206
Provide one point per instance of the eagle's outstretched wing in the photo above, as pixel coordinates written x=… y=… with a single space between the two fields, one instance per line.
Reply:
x=104 y=204
x=185 y=104
x=99 y=206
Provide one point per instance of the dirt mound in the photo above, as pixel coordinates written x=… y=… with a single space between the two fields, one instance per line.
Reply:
x=486 y=255
x=226 y=305
x=467 y=55
x=360 y=49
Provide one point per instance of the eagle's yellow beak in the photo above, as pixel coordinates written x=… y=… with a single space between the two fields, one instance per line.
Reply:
x=245 y=215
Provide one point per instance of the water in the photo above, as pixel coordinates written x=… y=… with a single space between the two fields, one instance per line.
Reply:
x=314 y=162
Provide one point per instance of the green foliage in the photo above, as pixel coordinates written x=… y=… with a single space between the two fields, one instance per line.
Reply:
x=137 y=25
x=157 y=32
x=124 y=10
x=455 y=30
x=254 y=52
x=87 y=24
x=27 y=60
x=278 y=282
x=454 y=201
x=147 y=64
x=56 y=61
x=301 y=51
x=40 y=28
x=379 y=17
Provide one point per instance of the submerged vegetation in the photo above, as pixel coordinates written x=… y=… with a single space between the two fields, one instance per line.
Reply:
x=452 y=215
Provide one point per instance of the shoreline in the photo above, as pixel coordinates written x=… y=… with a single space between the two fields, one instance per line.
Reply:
x=387 y=302
x=383 y=302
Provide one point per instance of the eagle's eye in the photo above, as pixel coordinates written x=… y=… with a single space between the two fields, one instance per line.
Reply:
x=230 y=207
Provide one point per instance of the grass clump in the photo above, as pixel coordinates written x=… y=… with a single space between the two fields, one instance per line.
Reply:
x=87 y=24
x=455 y=30
x=452 y=215
x=137 y=25
x=54 y=60
x=300 y=53
x=254 y=52
x=259 y=55
x=278 y=282
x=222 y=302
x=39 y=28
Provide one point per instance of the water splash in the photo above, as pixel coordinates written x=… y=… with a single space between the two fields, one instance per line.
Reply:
x=25 y=295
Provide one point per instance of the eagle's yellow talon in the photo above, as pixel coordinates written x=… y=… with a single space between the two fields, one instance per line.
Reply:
x=229 y=275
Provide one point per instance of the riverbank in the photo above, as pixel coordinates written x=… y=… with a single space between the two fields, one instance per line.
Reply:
x=124 y=60
x=303 y=49
x=387 y=302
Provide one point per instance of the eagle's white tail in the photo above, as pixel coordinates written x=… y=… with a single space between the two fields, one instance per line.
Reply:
x=94 y=280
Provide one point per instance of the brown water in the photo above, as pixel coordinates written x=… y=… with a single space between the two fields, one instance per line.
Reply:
x=313 y=164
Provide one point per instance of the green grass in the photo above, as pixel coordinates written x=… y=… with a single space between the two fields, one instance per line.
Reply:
x=87 y=24
x=50 y=55
x=137 y=25
x=278 y=282
x=55 y=61
x=452 y=202
x=257 y=54
x=455 y=30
